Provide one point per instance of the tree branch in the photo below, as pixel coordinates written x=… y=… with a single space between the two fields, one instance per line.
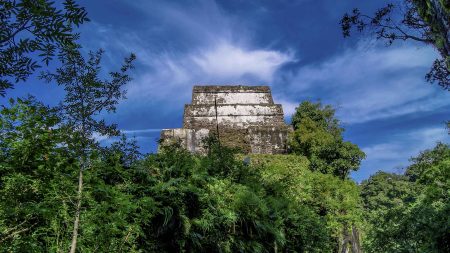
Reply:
x=17 y=232
x=408 y=36
x=21 y=28
x=15 y=227
x=404 y=35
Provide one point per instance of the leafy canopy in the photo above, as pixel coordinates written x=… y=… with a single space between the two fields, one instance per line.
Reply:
x=167 y=202
x=410 y=212
x=318 y=136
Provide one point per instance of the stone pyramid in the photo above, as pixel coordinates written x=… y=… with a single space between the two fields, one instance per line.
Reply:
x=244 y=116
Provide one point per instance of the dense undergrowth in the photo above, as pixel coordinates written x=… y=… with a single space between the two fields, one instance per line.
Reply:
x=175 y=201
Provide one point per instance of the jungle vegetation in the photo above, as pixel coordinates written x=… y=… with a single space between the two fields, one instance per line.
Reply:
x=60 y=190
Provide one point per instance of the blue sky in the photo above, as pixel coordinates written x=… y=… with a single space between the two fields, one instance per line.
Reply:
x=295 y=46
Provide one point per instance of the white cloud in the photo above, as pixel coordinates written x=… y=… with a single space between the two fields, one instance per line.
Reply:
x=371 y=82
x=395 y=153
x=288 y=106
x=98 y=137
x=172 y=76
x=193 y=44
x=228 y=61
x=140 y=131
x=407 y=144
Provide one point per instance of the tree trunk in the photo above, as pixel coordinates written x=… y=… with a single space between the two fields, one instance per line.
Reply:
x=356 y=247
x=76 y=222
x=345 y=240
x=442 y=20
x=350 y=240
x=434 y=14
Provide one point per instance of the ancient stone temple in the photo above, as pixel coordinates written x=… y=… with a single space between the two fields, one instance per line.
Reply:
x=244 y=116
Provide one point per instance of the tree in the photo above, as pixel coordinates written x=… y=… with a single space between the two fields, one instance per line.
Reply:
x=409 y=213
x=318 y=136
x=323 y=116
x=386 y=197
x=37 y=190
x=424 y=21
x=167 y=202
x=216 y=203
x=32 y=30
x=425 y=160
x=35 y=177
x=86 y=97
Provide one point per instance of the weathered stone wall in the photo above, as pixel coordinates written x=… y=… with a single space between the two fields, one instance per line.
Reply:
x=191 y=139
x=232 y=116
x=246 y=116
x=231 y=95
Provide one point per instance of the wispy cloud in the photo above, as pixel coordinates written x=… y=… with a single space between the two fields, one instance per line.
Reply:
x=395 y=153
x=406 y=145
x=139 y=131
x=171 y=76
x=98 y=137
x=228 y=61
x=195 y=44
x=288 y=106
x=368 y=83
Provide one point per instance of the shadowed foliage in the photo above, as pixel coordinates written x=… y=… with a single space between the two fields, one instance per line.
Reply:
x=32 y=30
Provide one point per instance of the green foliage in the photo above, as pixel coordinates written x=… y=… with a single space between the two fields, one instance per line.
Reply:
x=38 y=179
x=410 y=213
x=322 y=116
x=113 y=215
x=216 y=203
x=425 y=160
x=35 y=178
x=318 y=136
x=175 y=201
x=87 y=95
x=60 y=190
x=172 y=201
x=31 y=29
x=334 y=200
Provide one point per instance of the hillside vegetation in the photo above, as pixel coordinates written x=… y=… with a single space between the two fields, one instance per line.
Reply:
x=175 y=201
